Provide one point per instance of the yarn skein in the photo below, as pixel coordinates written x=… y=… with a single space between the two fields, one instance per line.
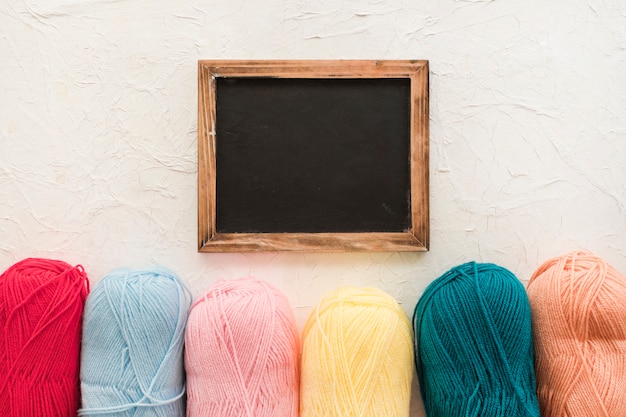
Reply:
x=41 y=306
x=242 y=350
x=578 y=304
x=474 y=351
x=357 y=356
x=132 y=347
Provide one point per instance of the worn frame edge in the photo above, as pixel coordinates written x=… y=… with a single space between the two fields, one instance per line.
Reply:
x=416 y=239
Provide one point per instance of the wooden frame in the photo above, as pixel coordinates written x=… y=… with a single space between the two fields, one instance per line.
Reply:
x=416 y=238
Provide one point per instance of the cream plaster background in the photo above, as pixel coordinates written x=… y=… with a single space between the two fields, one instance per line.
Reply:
x=98 y=130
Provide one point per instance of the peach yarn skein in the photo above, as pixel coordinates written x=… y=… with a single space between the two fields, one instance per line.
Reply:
x=578 y=305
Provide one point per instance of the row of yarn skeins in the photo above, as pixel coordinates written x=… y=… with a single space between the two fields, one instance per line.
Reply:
x=472 y=344
x=137 y=346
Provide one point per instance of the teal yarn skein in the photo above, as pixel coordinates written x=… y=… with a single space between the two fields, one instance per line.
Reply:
x=132 y=346
x=473 y=345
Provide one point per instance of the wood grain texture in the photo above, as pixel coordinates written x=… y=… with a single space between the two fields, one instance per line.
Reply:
x=414 y=239
x=314 y=242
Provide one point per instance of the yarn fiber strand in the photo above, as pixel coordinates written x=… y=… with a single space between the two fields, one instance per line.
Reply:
x=242 y=350
x=474 y=351
x=579 y=319
x=41 y=307
x=357 y=356
x=132 y=348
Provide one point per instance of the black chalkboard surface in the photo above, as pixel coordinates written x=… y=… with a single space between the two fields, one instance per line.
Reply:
x=313 y=155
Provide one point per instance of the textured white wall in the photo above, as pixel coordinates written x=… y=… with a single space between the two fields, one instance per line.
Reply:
x=98 y=130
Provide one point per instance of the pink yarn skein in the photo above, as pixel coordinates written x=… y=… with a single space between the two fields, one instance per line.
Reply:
x=242 y=350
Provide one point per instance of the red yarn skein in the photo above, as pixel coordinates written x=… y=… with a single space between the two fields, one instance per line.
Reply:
x=41 y=307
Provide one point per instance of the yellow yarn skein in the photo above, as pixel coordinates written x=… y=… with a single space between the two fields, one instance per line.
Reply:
x=357 y=356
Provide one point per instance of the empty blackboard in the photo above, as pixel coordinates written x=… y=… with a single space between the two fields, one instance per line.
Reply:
x=313 y=155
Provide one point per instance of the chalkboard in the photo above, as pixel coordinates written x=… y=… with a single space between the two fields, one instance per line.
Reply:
x=313 y=156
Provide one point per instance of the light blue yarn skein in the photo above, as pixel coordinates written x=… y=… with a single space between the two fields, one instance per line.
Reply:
x=473 y=345
x=132 y=346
